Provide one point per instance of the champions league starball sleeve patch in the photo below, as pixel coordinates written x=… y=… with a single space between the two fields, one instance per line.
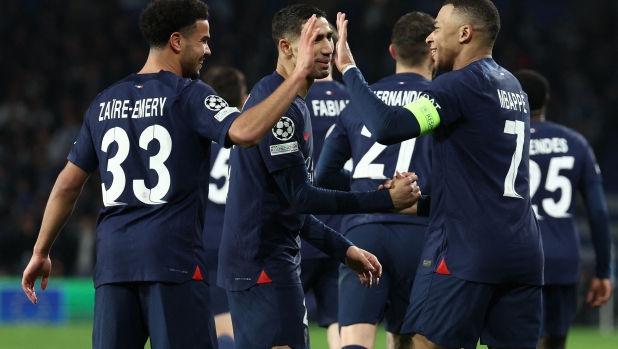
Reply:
x=284 y=129
x=215 y=103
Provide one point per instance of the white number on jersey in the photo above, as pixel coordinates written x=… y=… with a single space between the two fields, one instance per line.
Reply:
x=220 y=169
x=514 y=128
x=553 y=182
x=367 y=169
x=152 y=196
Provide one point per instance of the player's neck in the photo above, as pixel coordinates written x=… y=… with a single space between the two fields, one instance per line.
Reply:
x=328 y=78
x=421 y=70
x=285 y=69
x=469 y=56
x=537 y=115
x=158 y=60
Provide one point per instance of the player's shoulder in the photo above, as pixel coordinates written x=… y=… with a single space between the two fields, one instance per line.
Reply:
x=266 y=86
x=567 y=132
x=405 y=81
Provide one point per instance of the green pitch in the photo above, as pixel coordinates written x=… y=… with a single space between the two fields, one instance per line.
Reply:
x=78 y=336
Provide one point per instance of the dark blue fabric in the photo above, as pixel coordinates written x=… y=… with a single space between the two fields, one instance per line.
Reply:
x=320 y=275
x=325 y=100
x=387 y=125
x=325 y=239
x=270 y=315
x=126 y=314
x=144 y=234
x=373 y=163
x=217 y=195
x=559 y=308
x=226 y=342
x=455 y=313
x=398 y=248
x=561 y=163
x=481 y=219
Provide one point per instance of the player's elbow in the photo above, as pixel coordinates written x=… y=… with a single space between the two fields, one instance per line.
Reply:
x=244 y=138
x=383 y=136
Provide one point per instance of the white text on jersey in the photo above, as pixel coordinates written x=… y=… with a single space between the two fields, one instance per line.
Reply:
x=548 y=146
x=398 y=98
x=512 y=101
x=122 y=109
x=328 y=107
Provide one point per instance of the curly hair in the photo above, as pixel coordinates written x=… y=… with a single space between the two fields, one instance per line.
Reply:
x=409 y=36
x=288 y=22
x=161 y=18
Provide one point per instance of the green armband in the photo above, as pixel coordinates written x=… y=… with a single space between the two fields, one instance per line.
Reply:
x=425 y=113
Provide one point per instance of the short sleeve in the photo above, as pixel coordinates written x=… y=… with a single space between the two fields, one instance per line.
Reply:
x=83 y=152
x=444 y=93
x=591 y=173
x=210 y=115
x=282 y=147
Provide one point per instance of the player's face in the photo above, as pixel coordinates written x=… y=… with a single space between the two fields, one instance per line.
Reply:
x=444 y=40
x=322 y=50
x=194 y=50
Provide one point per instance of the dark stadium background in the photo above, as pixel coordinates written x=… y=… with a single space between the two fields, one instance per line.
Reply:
x=56 y=55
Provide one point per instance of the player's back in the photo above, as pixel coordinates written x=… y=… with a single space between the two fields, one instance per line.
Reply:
x=325 y=100
x=373 y=162
x=561 y=162
x=261 y=229
x=481 y=221
x=146 y=136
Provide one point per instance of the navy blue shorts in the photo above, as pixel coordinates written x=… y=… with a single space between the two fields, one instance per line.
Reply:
x=455 y=313
x=269 y=315
x=173 y=315
x=559 y=306
x=320 y=275
x=398 y=247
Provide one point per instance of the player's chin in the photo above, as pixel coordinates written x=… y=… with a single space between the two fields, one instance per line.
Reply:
x=319 y=73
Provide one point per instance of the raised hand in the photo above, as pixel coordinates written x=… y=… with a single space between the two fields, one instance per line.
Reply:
x=306 y=58
x=344 y=55
x=38 y=266
x=366 y=265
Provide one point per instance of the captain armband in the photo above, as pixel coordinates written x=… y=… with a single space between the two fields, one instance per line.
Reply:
x=425 y=113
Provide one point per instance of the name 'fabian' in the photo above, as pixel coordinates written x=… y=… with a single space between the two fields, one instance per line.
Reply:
x=122 y=109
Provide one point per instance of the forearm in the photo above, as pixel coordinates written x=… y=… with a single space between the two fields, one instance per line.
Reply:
x=305 y=198
x=251 y=126
x=387 y=125
x=329 y=172
x=598 y=219
x=61 y=202
x=324 y=238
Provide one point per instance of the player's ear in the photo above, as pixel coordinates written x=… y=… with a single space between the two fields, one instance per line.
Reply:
x=465 y=33
x=175 y=40
x=285 y=47
x=391 y=49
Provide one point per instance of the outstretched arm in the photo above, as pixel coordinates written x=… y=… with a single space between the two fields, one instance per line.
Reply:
x=251 y=126
x=594 y=199
x=305 y=198
x=389 y=125
x=338 y=247
x=329 y=171
x=59 y=207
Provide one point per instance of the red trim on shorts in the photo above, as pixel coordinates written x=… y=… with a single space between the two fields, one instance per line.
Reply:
x=197 y=275
x=264 y=279
x=442 y=269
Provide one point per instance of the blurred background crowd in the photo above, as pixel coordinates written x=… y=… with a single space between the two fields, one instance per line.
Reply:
x=56 y=55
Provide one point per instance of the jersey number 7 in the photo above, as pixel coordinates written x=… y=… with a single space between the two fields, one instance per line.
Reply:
x=152 y=196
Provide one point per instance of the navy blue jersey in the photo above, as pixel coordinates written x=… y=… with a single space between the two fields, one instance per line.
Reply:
x=561 y=162
x=481 y=219
x=217 y=194
x=325 y=100
x=150 y=136
x=374 y=162
x=261 y=229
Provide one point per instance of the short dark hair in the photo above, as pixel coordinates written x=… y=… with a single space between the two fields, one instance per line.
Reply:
x=289 y=21
x=536 y=87
x=228 y=82
x=161 y=18
x=409 y=35
x=483 y=14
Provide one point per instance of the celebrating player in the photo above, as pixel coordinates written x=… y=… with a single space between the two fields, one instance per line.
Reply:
x=229 y=84
x=150 y=134
x=269 y=197
x=318 y=272
x=396 y=240
x=481 y=270
x=560 y=161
